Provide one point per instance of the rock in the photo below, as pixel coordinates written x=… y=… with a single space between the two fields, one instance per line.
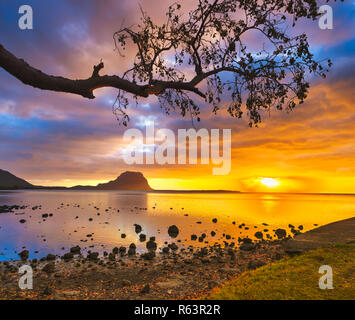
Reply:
x=148 y=255
x=68 y=256
x=115 y=250
x=49 y=267
x=300 y=227
x=247 y=246
x=137 y=228
x=254 y=264
x=213 y=233
x=75 y=250
x=50 y=257
x=145 y=289
x=166 y=250
x=203 y=252
x=132 y=249
x=151 y=245
x=142 y=237
x=258 y=235
x=173 y=247
x=123 y=235
x=45 y=215
x=22 y=221
x=173 y=231
x=280 y=233
x=23 y=255
x=6 y=209
x=112 y=257
x=193 y=237
x=122 y=250
x=214 y=220
x=291 y=226
x=93 y=256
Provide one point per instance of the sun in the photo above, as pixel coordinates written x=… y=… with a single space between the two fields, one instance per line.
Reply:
x=269 y=182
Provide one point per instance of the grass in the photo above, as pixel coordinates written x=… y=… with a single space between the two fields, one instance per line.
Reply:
x=296 y=278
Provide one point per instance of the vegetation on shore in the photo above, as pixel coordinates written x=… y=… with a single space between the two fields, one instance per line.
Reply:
x=296 y=278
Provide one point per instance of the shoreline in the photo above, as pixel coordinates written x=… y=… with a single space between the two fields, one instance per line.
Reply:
x=187 y=274
x=169 y=272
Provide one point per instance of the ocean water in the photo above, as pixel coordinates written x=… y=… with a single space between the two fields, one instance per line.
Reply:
x=95 y=220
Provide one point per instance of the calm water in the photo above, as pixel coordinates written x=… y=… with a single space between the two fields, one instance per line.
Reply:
x=155 y=213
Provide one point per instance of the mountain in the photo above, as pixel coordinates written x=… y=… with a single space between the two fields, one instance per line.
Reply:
x=9 y=181
x=128 y=180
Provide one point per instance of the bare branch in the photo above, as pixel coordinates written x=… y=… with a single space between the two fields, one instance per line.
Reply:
x=85 y=87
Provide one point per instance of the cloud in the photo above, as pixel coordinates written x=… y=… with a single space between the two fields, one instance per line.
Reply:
x=50 y=137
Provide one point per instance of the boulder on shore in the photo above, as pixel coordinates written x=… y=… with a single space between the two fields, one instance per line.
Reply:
x=173 y=231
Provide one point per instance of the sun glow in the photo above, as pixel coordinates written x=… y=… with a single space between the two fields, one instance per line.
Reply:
x=269 y=182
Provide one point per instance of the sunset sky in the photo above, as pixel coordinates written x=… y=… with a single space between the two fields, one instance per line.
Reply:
x=51 y=138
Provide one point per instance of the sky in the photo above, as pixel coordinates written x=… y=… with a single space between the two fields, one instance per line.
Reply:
x=59 y=139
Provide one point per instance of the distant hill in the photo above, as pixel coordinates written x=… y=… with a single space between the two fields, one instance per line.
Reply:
x=128 y=180
x=9 y=181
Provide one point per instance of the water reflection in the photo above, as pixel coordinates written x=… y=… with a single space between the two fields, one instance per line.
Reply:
x=95 y=220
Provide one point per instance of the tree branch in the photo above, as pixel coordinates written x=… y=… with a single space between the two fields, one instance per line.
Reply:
x=85 y=87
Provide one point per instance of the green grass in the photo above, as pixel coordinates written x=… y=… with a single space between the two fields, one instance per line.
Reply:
x=296 y=278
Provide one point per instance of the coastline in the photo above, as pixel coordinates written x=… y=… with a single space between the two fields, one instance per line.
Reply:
x=167 y=274
x=188 y=274
x=176 y=191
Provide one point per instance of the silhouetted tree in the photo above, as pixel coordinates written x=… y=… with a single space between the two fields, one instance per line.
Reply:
x=204 y=53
